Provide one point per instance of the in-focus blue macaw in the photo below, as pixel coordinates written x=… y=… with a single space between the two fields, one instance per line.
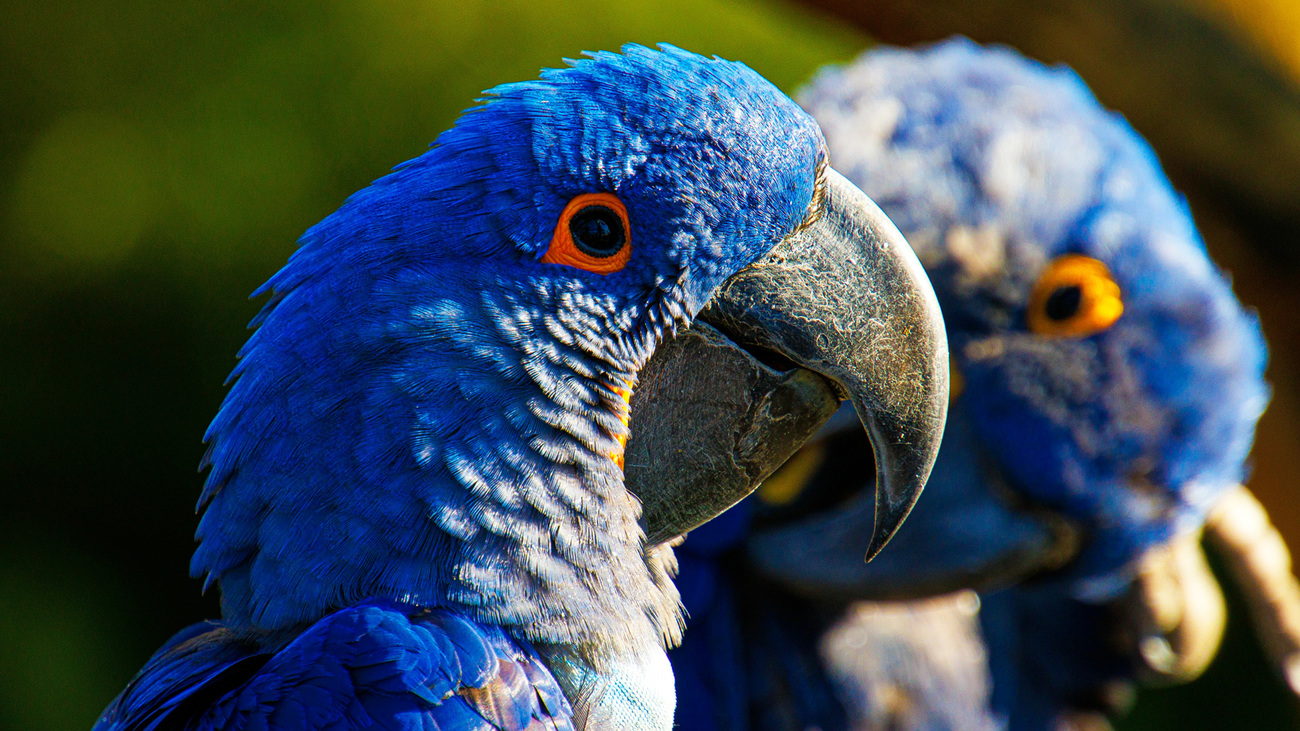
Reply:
x=1112 y=383
x=416 y=508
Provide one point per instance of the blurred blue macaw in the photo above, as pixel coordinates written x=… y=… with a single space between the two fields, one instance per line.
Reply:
x=1112 y=383
x=416 y=507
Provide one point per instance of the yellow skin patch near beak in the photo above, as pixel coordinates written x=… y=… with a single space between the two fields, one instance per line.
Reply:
x=624 y=392
x=790 y=479
x=1075 y=297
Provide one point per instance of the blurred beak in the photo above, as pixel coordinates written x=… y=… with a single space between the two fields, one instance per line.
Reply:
x=966 y=534
x=839 y=309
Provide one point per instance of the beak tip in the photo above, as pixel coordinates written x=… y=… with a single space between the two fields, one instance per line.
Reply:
x=888 y=520
x=877 y=545
x=897 y=491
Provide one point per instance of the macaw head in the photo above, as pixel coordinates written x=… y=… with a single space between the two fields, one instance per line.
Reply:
x=435 y=403
x=1109 y=372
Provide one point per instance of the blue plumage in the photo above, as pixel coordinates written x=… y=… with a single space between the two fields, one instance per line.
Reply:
x=415 y=508
x=1085 y=450
x=1050 y=655
x=469 y=382
x=375 y=665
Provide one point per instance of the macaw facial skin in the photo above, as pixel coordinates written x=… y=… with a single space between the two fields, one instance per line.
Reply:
x=1093 y=424
x=421 y=455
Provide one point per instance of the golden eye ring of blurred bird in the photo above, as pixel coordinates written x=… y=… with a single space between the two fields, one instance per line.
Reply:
x=1075 y=297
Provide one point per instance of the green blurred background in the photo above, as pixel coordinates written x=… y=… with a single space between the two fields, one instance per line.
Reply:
x=158 y=161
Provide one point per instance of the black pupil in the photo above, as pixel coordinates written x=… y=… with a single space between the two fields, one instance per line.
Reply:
x=1063 y=303
x=597 y=231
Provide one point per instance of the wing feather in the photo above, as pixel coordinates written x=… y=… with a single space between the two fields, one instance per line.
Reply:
x=376 y=665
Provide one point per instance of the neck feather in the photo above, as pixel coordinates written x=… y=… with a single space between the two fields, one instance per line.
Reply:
x=464 y=452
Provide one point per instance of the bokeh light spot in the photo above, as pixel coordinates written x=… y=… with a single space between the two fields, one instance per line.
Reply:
x=84 y=192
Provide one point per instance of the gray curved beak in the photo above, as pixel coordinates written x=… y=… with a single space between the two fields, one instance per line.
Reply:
x=844 y=298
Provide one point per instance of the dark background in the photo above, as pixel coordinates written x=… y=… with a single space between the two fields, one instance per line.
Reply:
x=159 y=159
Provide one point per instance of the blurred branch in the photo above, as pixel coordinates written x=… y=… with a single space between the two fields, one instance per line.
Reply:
x=1260 y=562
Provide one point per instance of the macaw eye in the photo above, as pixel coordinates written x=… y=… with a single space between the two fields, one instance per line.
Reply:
x=592 y=234
x=1075 y=297
x=597 y=231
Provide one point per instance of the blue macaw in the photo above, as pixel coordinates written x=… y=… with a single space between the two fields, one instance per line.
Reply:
x=416 y=508
x=1112 y=383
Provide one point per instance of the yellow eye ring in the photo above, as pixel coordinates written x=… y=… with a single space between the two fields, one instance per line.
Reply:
x=1075 y=297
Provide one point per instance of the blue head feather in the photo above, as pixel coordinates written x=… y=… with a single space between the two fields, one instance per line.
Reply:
x=426 y=411
x=992 y=166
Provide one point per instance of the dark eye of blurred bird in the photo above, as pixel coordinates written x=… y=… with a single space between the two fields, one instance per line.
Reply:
x=598 y=231
x=1064 y=302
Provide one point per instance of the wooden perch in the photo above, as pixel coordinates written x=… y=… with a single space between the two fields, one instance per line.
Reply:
x=1260 y=563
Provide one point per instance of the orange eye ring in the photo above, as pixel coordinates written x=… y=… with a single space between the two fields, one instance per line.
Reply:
x=608 y=250
x=1075 y=297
